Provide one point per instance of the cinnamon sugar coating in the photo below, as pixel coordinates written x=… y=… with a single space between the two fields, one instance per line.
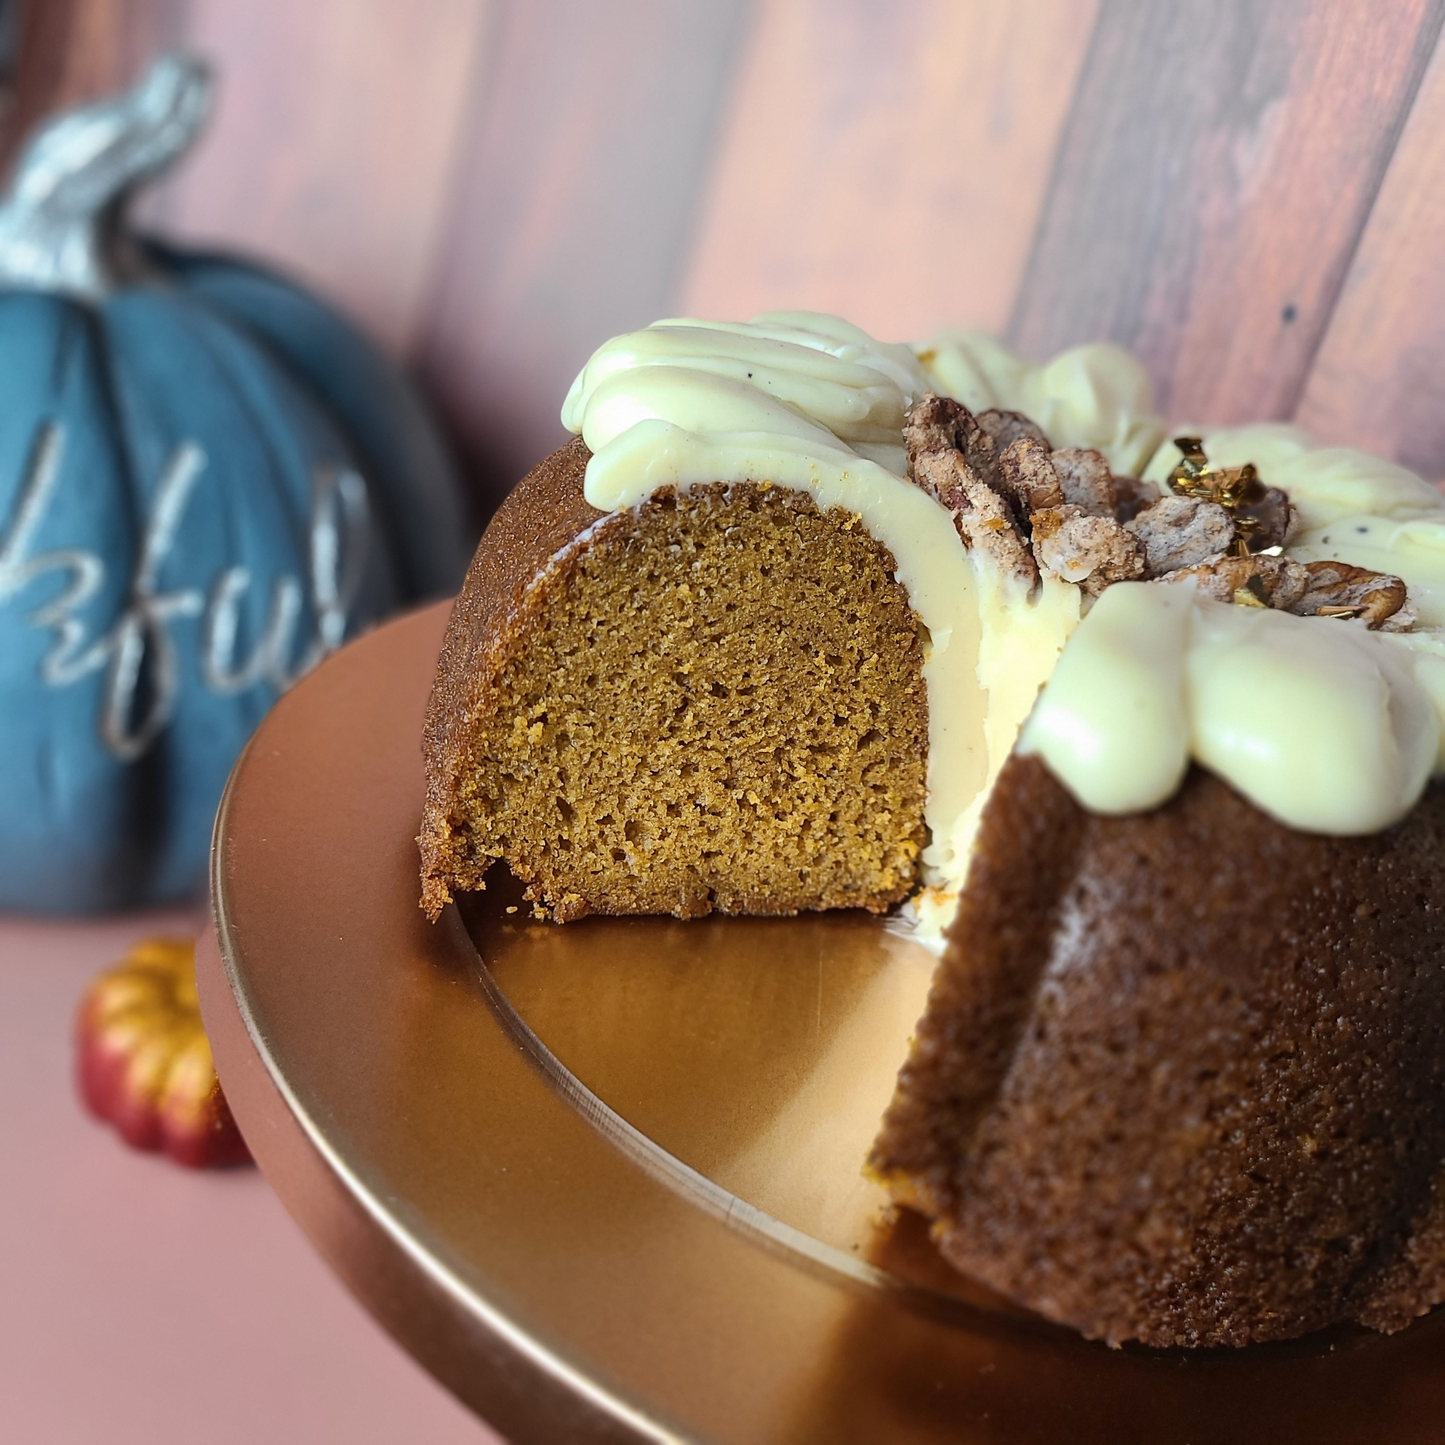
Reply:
x=1086 y=481
x=1091 y=550
x=1027 y=477
x=1180 y=532
x=1376 y=600
x=1337 y=589
x=1132 y=495
x=953 y=459
x=1273 y=516
x=1278 y=582
x=1006 y=427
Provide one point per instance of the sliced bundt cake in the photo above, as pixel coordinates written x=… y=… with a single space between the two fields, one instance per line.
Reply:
x=712 y=700
x=737 y=647
x=763 y=638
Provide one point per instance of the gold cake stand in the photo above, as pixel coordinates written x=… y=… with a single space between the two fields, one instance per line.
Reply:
x=603 y=1179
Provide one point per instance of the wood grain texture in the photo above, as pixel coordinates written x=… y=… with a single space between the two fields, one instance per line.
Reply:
x=1219 y=163
x=889 y=170
x=495 y=186
x=1379 y=378
x=591 y=131
x=332 y=143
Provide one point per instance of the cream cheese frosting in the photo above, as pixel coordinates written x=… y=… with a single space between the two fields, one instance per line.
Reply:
x=1319 y=722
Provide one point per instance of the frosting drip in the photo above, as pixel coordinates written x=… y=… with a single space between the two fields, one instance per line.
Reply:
x=1320 y=723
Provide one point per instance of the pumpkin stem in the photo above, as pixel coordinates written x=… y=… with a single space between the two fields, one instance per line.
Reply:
x=60 y=216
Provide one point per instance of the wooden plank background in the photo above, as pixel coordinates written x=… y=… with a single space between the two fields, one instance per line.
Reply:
x=1248 y=193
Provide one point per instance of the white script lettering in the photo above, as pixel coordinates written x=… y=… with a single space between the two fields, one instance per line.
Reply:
x=139 y=646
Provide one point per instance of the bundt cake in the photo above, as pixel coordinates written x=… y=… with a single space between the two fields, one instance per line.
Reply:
x=721 y=652
x=800 y=620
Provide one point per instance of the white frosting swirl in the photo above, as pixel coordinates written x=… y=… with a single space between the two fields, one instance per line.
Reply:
x=1090 y=396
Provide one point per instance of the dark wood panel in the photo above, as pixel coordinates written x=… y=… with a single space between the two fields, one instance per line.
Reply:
x=891 y=172
x=9 y=54
x=1219 y=163
x=1379 y=379
x=575 y=201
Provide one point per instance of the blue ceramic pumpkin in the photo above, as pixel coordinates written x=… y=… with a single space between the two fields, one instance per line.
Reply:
x=208 y=482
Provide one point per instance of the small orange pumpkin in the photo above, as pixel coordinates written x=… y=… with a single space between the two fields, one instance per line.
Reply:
x=144 y=1060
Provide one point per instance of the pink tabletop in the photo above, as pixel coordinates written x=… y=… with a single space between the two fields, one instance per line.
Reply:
x=144 y=1302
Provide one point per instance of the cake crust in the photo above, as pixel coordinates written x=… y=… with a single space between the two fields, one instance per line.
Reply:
x=1181 y=1078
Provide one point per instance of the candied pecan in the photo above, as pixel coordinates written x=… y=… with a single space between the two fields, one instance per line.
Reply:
x=1092 y=551
x=940 y=424
x=1006 y=427
x=937 y=438
x=936 y=423
x=1337 y=589
x=1272 y=516
x=1181 y=532
x=1277 y=582
x=1026 y=476
x=1132 y=495
x=986 y=523
x=1085 y=477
